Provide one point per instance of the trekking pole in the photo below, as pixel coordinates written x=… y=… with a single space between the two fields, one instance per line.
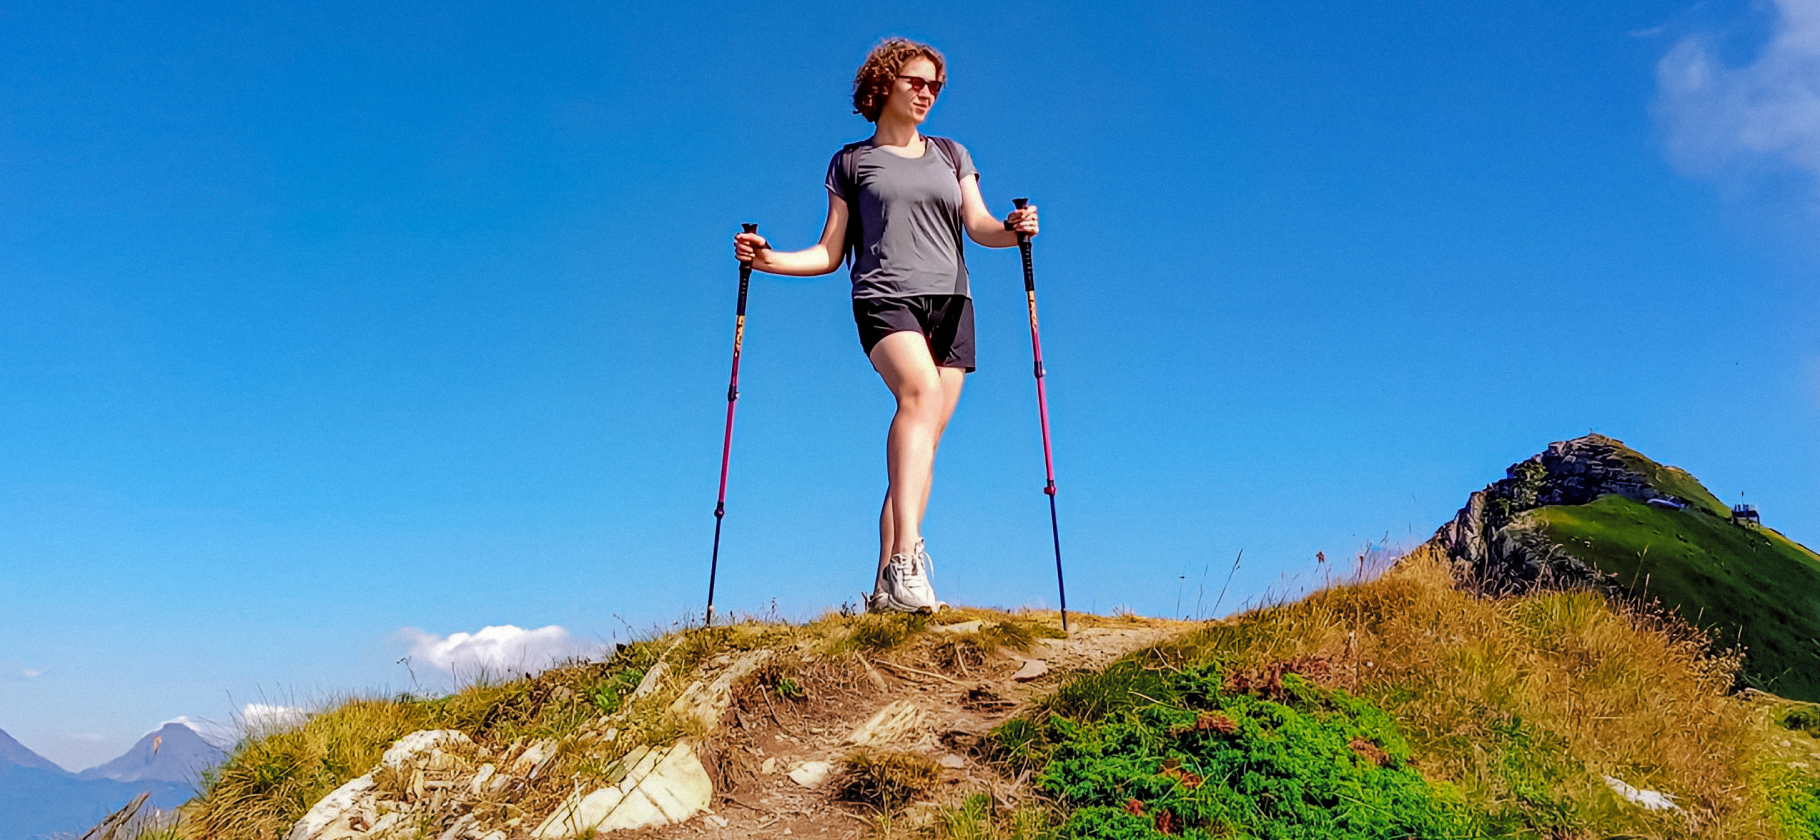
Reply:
x=1042 y=407
x=726 y=443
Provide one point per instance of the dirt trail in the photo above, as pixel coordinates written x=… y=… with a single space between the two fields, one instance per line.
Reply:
x=778 y=761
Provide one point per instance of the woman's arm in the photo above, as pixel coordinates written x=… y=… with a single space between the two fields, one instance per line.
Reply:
x=821 y=258
x=985 y=229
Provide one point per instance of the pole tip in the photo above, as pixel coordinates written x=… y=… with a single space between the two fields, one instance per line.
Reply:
x=751 y=227
x=1020 y=202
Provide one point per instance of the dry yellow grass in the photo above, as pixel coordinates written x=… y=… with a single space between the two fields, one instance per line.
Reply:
x=1527 y=702
x=273 y=778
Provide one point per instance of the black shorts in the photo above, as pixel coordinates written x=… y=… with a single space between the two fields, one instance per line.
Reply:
x=945 y=320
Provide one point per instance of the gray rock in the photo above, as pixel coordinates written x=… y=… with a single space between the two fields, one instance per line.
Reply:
x=1494 y=544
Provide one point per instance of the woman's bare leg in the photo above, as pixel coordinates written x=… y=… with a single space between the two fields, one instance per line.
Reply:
x=926 y=397
x=952 y=380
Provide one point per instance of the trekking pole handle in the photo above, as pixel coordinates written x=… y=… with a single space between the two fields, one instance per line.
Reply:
x=1023 y=248
x=745 y=279
x=1019 y=203
x=748 y=227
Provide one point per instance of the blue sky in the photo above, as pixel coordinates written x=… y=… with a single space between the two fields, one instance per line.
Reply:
x=329 y=334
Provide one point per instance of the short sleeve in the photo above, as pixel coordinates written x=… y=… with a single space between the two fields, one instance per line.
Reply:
x=835 y=183
x=963 y=165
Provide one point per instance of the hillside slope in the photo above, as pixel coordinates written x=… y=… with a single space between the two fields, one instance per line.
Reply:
x=1402 y=707
x=1592 y=510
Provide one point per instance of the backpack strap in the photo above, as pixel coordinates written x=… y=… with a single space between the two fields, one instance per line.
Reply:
x=847 y=172
x=949 y=152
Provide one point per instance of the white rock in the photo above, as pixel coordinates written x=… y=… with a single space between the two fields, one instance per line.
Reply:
x=973 y=626
x=662 y=787
x=1649 y=799
x=533 y=755
x=1033 y=669
x=768 y=766
x=480 y=779
x=654 y=678
x=952 y=762
x=811 y=774
x=416 y=743
x=460 y=826
x=707 y=700
x=329 y=818
x=895 y=724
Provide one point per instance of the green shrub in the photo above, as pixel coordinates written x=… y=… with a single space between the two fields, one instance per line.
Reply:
x=1196 y=762
x=610 y=692
x=1796 y=805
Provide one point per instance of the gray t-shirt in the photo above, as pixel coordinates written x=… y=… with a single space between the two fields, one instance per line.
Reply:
x=909 y=212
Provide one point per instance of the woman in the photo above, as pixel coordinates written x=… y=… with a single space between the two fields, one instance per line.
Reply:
x=897 y=204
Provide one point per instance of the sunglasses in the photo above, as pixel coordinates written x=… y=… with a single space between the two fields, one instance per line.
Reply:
x=917 y=83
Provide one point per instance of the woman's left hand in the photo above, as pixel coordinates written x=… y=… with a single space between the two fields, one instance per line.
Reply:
x=1022 y=220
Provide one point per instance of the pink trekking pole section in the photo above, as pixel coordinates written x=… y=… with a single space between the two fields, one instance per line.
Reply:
x=1042 y=407
x=726 y=441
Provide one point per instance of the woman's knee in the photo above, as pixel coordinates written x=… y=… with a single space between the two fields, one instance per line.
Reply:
x=921 y=395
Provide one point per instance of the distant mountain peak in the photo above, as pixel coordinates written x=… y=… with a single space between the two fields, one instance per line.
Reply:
x=172 y=753
x=1592 y=512
x=14 y=753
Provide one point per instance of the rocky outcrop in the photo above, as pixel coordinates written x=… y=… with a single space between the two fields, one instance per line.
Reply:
x=353 y=809
x=1493 y=543
x=648 y=788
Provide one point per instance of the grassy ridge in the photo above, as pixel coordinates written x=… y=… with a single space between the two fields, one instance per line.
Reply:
x=1672 y=480
x=1515 y=710
x=1748 y=586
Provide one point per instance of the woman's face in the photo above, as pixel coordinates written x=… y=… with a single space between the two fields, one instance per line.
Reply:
x=908 y=102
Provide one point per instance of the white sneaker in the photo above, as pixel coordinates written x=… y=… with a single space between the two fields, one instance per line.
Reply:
x=903 y=587
x=924 y=568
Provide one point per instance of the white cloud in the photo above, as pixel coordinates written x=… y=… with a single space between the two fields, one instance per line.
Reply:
x=258 y=718
x=500 y=650
x=251 y=719
x=12 y=670
x=1723 y=122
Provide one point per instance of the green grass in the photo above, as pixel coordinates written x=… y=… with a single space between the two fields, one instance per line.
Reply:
x=1747 y=586
x=1671 y=480
x=975 y=818
x=1196 y=760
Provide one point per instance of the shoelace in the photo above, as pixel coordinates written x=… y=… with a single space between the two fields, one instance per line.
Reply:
x=920 y=556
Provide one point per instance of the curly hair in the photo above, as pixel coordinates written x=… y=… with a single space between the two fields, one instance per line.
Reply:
x=873 y=81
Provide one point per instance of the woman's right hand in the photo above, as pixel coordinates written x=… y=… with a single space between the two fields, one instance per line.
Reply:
x=747 y=245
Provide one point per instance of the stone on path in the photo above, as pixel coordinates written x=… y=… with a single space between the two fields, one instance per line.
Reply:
x=1033 y=668
x=811 y=774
